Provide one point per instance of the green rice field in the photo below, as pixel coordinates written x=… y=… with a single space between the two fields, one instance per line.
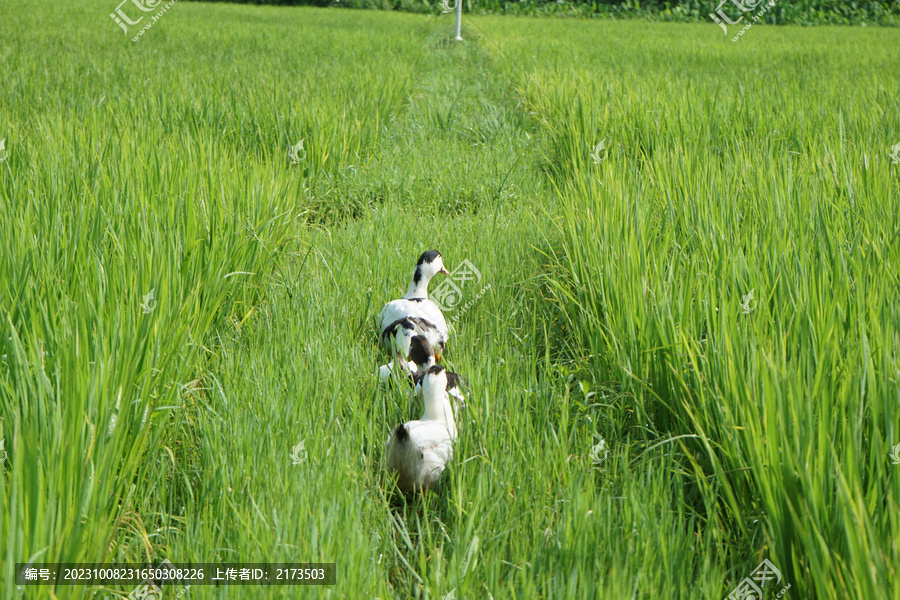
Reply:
x=683 y=343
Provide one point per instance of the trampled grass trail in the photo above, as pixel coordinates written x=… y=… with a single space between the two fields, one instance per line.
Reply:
x=640 y=424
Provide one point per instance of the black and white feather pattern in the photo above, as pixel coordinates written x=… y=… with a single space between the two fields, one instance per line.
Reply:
x=403 y=330
x=421 y=354
x=415 y=310
x=457 y=387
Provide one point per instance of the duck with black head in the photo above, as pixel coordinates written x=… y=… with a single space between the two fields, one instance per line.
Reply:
x=415 y=314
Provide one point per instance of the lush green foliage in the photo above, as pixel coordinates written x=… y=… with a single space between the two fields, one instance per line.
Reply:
x=720 y=182
x=803 y=12
x=145 y=428
x=798 y=12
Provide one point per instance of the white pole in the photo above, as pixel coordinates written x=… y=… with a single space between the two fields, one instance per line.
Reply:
x=458 y=19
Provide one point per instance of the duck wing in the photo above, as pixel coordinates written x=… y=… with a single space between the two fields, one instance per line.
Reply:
x=398 y=309
x=422 y=312
x=411 y=326
x=428 y=311
x=417 y=378
x=457 y=387
x=454 y=381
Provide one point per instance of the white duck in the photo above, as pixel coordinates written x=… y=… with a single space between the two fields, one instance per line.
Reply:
x=421 y=356
x=414 y=313
x=418 y=451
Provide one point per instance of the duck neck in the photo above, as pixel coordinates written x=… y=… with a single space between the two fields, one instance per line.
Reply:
x=437 y=408
x=418 y=287
x=425 y=366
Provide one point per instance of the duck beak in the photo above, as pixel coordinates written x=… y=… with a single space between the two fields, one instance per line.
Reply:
x=444 y=271
x=437 y=358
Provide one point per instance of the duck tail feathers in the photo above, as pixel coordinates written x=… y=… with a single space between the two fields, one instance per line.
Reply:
x=401 y=434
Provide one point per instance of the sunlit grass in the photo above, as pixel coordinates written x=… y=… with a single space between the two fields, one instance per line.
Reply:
x=140 y=430
x=726 y=182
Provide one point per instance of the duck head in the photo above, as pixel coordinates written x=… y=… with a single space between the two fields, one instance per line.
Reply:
x=430 y=264
x=421 y=352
